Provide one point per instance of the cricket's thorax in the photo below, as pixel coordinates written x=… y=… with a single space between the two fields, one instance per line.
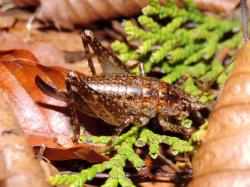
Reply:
x=115 y=97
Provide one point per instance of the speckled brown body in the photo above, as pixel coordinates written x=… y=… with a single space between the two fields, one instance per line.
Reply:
x=117 y=97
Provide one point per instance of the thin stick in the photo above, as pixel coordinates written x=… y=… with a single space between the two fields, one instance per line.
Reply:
x=244 y=19
x=170 y=163
x=141 y=68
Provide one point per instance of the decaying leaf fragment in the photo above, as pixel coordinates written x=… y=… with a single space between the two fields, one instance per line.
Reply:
x=17 y=161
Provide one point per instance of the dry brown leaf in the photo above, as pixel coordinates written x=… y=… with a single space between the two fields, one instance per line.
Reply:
x=67 y=13
x=223 y=158
x=42 y=118
x=47 y=54
x=221 y=6
x=6 y=21
x=64 y=41
x=17 y=162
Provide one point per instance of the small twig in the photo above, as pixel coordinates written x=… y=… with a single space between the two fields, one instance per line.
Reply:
x=102 y=175
x=244 y=19
x=115 y=36
x=168 y=176
x=116 y=26
x=170 y=163
x=40 y=154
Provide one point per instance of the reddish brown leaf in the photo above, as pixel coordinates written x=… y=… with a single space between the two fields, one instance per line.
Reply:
x=17 y=162
x=25 y=3
x=42 y=118
x=223 y=158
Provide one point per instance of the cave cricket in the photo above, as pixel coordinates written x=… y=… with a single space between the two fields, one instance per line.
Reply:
x=118 y=97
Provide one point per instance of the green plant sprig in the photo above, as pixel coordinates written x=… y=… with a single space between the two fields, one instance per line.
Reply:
x=188 y=38
x=125 y=152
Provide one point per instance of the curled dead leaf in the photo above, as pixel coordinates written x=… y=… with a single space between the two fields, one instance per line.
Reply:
x=223 y=158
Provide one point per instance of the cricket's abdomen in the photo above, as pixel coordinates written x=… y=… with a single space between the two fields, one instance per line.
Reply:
x=119 y=96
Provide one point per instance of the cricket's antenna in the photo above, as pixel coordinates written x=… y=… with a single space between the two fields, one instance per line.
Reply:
x=244 y=19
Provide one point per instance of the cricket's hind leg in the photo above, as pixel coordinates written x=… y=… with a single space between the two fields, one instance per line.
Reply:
x=88 y=55
x=109 y=62
x=175 y=128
